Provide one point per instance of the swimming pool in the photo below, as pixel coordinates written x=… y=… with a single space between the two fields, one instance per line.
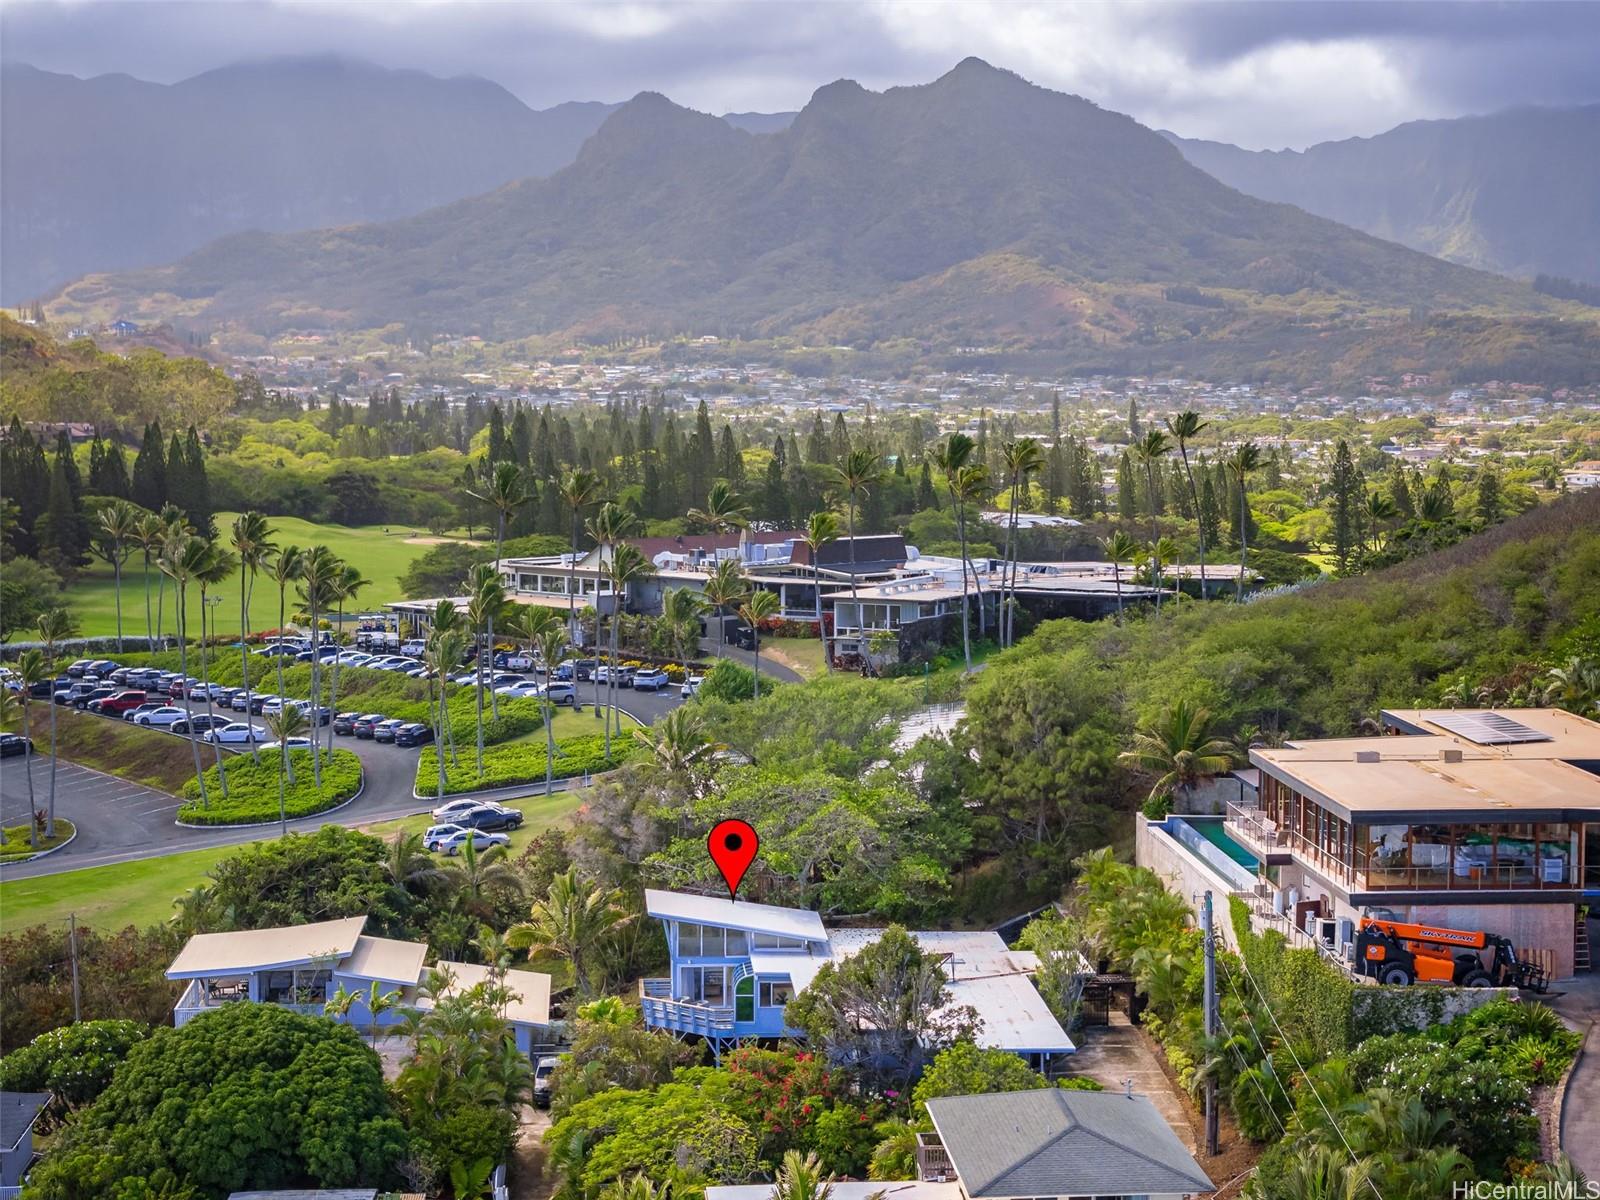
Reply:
x=1211 y=829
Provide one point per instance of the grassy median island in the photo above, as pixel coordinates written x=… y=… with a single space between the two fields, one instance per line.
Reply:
x=17 y=848
x=512 y=763
x=253 y=789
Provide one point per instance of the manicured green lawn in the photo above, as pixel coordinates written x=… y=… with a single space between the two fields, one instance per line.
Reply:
x=380 y=553
x=799 y=654
x=18 y=845
x=567 y=724
x=141 y=893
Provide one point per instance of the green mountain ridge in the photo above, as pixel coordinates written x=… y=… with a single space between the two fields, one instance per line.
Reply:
x=1516 y=192
x=977 y=209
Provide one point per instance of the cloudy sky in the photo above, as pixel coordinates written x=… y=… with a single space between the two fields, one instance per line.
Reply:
x=1287 y=73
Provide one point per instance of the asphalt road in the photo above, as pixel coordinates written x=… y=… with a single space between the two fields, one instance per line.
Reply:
x=119 y=821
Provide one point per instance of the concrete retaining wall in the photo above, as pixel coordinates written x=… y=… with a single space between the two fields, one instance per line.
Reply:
x=1184 y=874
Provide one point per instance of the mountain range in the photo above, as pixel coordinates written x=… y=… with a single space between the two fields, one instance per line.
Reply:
x=109 y=173
x=1516 y=192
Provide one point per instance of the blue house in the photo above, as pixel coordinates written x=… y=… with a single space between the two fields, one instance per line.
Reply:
x=734 y=965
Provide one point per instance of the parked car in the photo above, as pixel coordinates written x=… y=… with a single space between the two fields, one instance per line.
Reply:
x=413 y=734
x=650 y=681
x=366 y=724
x=513 y=660
x=93 y=697
x=451 y=809
x=520 y=691
x=560 y=693
x=119 y=704
x=352 y=658
x=46 y=688
x=280 y=648
x=434 y=833
x=452 y=843
x=71 y=695
x=413 y=647
x=295 y=743
x=241 y=702
x=384 y=731
x=202 y=723
x=489 y=816
x=319 y=714
x=691 y=686
x=236 y=732
x=79 y=667
x=344 y=723
x=199 y=691
x=271 y=705
x=134 y=714
x=179 y=685
x=161 y=718
x=12 y=744
x=543 y=1077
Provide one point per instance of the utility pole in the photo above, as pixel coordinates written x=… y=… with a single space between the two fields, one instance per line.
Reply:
x=1209 y=931
x=72 y=947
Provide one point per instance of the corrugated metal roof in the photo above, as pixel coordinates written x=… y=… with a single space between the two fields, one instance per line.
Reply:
x=258 y=949
x=1059 y=1143
x=735 y=914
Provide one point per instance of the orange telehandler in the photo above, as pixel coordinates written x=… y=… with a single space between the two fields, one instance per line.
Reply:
x=1402 y=953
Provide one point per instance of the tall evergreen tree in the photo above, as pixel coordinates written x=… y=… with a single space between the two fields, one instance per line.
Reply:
x=817 y=450
x=500 y=449
x=115 y=482
x=1127 y=493
x=927 y=495
x=522 y=438
x=62 y=533
x=1346 y=500
x=1491 y=502
x=25 y=481
x=150 y=470
x=1400 y=492
x=1210 y=508
x=194 y=464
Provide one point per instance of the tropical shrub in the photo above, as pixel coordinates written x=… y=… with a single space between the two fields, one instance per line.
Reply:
x=521 y=762
x=253 y=789
x=75 y=1063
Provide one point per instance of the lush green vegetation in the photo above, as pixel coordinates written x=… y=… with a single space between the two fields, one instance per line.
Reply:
x=252 y=793
x=134 y=752
x=522 y=761
x=74 y=1063
x=120 y=974
x=16 y=846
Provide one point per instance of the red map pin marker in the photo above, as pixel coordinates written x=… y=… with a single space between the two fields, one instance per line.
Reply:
x=733 y=846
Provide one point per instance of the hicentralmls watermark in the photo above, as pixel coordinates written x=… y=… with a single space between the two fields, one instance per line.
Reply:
x=1527 y=1189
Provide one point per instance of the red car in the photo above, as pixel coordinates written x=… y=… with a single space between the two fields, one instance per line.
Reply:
x=115 y=706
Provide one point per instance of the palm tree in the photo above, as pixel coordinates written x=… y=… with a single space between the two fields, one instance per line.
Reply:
x=1380 y=510
x=1245 y=458
x=475 y=876
x=410 y=868
x=219 y=566
x=578 y=489
x=968 y=486
x=320 y=568
x=1184 y=427
x=252 y=542
x=288 y=722
x=284 y=568
x=487 y=598
x=1149 y=450
x=725 y=510
x=31 y=668
x=608 y=527
x=184 y=557
x=856 y=476
x=1022 y=459
x=753 y=611
x=802 y=1178
x=1179 y=748
x=347 y=583
x=681 y=610
x=821 y=528
x=628 y=566
x=950 y=458
x=725 y=588
x=170 y=523
x=1120 y=550
x=55 y=626
x=444 y=649
x=571 y=922
x=505 y=492
x=678 y=745
x=552 y=646
x=149 y=533
x=639 y=1187
x=119 y=530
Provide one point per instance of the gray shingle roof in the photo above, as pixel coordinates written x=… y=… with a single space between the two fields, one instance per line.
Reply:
x=1060 y=1143
x=18 y=1110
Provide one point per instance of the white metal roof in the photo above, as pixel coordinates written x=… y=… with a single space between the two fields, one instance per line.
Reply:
x=735 y=914
x=207 y=954
x=385 y=960
x=800 y=967
x=530 y=991
x=1011 y=1014
x=848 y=1190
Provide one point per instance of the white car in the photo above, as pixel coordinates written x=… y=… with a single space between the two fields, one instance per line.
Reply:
x=519 y=691
x=295 y=743
x=413 y=647
x=451 y=843
x=160 y=716
x=236 y=732
x=353 y=658
x=691 y=685
x=452 y=809
x=273 y=705
x=435 y=833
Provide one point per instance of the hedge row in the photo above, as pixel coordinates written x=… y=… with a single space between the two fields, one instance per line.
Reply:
x=253 y=789
x=520 y=762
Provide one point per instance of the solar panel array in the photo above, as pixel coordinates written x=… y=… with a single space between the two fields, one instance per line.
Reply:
x=1490 y=728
